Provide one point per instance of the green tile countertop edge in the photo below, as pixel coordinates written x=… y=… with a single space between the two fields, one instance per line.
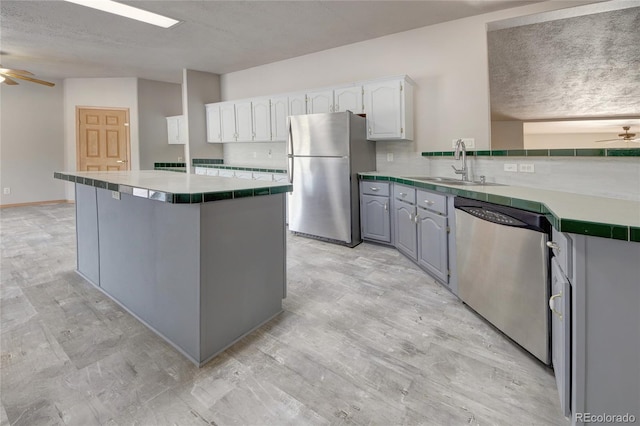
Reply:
x=167 y=197
x=248 y=169
x=596 y=229
x=579 y=152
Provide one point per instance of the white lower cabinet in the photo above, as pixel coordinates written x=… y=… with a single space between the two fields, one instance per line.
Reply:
x=263 y=176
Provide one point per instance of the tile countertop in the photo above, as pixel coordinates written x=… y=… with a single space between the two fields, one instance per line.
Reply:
x=172 y=187
x=574 y=213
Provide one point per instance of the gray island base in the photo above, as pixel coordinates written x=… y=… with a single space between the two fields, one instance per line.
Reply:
x=200 y=275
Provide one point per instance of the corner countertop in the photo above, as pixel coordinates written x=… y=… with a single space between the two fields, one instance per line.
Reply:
x=172 y=187
x=574 y=213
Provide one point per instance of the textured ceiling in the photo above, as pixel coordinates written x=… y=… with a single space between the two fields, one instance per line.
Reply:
x=579 y=67
x=56 y=39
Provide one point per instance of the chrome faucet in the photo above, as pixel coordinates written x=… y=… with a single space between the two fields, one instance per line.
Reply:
x=460 y=148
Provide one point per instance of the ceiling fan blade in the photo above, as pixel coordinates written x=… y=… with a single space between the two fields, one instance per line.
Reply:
x=9 y=70
x=33 y=80
x=610 y=140
x=9 y=81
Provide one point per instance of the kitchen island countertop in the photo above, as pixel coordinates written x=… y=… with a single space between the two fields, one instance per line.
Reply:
x=172 y=187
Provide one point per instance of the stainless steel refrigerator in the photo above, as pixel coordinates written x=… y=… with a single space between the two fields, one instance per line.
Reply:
x=325 y=153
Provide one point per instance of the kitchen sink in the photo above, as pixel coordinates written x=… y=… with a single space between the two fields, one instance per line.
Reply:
x=450 y=181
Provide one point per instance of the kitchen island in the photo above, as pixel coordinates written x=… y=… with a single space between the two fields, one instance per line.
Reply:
x=200 y=260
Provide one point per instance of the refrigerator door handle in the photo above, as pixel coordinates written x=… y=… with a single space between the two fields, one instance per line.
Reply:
x=290 y=170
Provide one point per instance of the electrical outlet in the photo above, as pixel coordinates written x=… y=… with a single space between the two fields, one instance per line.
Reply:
x=469 y=143
x=509 y=167
x=115 y=195
x=526 y=168
x=389 y=156
x=6 y=191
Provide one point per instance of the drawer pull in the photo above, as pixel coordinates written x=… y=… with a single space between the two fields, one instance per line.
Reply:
x=403 y=194
x=553 y=245
x=373 y=188
x=551 y=304
x=429 y=202
x=386 y=207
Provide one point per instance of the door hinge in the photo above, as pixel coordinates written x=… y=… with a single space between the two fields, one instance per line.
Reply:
x=448 y=272
x=401 y=129
x=401 y=87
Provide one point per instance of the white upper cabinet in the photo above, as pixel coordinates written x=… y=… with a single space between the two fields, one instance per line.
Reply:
x=297 y=104
x=261 y=119
x=214 y=129
x=321 y=101
x=228 y=122
x=388 y=104
x=279 y=114
x=348 y=99
x=176 y=130
x=244 y=122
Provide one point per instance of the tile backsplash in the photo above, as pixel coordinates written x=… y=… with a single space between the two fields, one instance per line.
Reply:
x=601 y=176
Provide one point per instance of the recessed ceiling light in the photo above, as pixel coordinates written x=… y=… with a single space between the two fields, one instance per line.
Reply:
x=128 y=12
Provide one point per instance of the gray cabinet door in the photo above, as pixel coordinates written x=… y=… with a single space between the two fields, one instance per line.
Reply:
x=433 y=254
x=405 y=229
x=375 y=218
x=560 y=305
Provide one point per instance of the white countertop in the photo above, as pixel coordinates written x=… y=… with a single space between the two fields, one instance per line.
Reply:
x=564 y=205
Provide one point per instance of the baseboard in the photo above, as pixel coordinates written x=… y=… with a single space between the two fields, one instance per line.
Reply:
x=37 y=203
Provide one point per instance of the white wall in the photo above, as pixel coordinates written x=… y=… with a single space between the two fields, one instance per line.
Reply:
x=31 y=142
x=156 y=101
x=448 y=62
x=99 y=92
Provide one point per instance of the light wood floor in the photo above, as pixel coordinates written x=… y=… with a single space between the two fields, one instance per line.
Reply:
x=366 y=338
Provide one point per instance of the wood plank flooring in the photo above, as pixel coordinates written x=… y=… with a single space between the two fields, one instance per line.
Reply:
x=366 y=338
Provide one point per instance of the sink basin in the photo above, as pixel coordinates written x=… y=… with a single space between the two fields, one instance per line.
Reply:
x=450 y=181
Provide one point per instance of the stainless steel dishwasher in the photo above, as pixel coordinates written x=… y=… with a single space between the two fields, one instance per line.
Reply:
x=503 y=270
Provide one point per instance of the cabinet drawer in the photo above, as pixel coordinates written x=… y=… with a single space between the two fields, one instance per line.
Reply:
x=201 y=171
x=226 y=173
x=262 y=176
x=561 y=246
x=280 y=177
x=212 y=172
x=432 y=201
x=244 y=175
x=404 y=193
x=374 y=188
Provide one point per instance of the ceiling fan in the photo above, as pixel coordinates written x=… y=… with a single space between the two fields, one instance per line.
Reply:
x=623 y=137
x=8 y=76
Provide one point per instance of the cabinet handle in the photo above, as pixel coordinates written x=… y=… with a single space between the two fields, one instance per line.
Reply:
x=386 y=206
x=429 y=202
x=369 y=130
x=403 y=194
x=416 y=218
x=552 y=304
x=410 y=217
x=553 y=245
x=373 y=188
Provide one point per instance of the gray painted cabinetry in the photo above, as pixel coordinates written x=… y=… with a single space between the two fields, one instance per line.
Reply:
x=419 y=224
x=404 y=220
x=375 y=211
x=200 y=275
